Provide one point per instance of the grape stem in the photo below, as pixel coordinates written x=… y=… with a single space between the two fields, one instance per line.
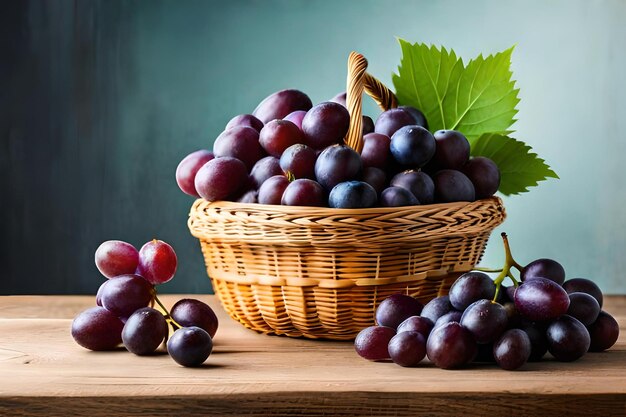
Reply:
x=505 y=272
x=166 y=313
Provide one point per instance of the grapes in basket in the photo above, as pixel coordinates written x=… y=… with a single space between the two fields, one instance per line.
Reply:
x=481 y=320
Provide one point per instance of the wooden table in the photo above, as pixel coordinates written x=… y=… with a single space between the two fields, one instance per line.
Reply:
x=43 y=372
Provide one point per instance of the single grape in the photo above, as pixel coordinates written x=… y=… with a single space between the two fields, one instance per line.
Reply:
x=190 y=312
x=418 y=183
x=280 y=104
x=249 y=197
x=451 y=186
x=240 y=142
x=278 y=135
x=325 y=124
x=157 y=262
x=271 y=191
x=376 y=151
x=544 y=268
x=190 y=346
x=115 y=257
x=352 y=194
x=486 y=320
x=391 y=120
x=337 y=163
x=221 y=178
x=539 y=343
x=188 y=168
x=484 y=175
x=340 y=99
x=296 y=117
x=450 y=316
x=416 y=324
x=125 y=294
x=437 y=307
x=144 y=331
x=412 y=146
x=514 y=319
x=304 y=192
x=603 y=332
x=541 y=299
x=451 y=346
x=407 y=348
x=97 y=329
x=396 y=308
x=300 y=160
x=397 y=197
x=372 y=342
x=264 y=168
x=247 y=120
x=584 y=285
x=367 y=125
x=583 y=307
x=418 y=116
x=512 y=349
x=453 y=149
x=568 y=339
x=376 y=178
x=471 y=287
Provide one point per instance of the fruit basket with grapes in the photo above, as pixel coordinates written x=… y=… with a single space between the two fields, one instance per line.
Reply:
x=309 y=216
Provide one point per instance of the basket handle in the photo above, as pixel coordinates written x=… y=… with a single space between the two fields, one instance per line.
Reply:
x=359 y=81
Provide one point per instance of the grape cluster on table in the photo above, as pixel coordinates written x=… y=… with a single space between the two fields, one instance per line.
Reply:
x=125 y=313
x=292 y=153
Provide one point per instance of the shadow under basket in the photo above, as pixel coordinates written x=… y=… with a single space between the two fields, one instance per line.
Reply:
x=321 y=272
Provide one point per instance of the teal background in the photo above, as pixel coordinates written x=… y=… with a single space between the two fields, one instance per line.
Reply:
x=101 y=99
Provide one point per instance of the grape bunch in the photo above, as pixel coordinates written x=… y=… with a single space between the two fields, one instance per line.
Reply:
x=125 y=312
x=292 y=153
x=481 y=320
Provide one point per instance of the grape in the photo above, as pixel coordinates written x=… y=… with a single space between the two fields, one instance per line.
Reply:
x=249 y=197
x=486 y=320
x=514 y=319
x=453 y=149
x=416 y=324
x=371 y=343
x=265 y=168
x=300 y=160
x=471 y=287
x=485 y=353
x=541 y=300
x=337 y=163
x=125 y=294
x=304 y=192
x=325 y=124
x=484 y=175
x=510 y=292
x=583 y=307
x=538 y=341
x=188 y=168
x=190 y=312
x=412 y=146
x=603 y=332
x=418 y=116
x=221 y=178
x=367 y=125
x=397 y=197
x=451 y=346
x=451 y=186
x=512 y=350
x=190 y=346
x=584 y=285
x=436 y=308
x=240 y=142
x=271 y=191
x=407 y=348
x=450 y=316
x=97 y=329
x=391 y=120
x=352 y=194
x=340 y=99
x=376 y=151
x=280 y=104
x=544 y=268
x=296 y=117
x=568 y=339
x=144 y=331
x=157 y=262
x=278 y=135
x=245 y=120
x=418 y=183
x=376 y=178
x=115 y=257
x=396 y=308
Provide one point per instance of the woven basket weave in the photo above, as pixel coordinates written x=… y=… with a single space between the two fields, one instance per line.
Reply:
x=321 y=272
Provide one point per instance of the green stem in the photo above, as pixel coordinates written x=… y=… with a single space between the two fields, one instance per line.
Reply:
x=481 y=269
x=166 y=313
x=505 y=272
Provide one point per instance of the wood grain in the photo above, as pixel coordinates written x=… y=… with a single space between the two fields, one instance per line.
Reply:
x=43 y=372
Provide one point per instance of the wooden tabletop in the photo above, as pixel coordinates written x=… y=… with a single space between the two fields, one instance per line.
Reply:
x=44 y=372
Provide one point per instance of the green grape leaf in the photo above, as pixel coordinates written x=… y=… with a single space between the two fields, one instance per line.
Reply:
x=520 y=168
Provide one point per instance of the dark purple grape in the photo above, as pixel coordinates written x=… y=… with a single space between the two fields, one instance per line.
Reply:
x=325 y=124
x=584 y=285
x=484 y=175
x=412 y=146
x=510 y=292
x=471 y=287
x=240 y=142
x=280 y=104
x=486 y=320
x=418 y=183
x=375 y=177
x=436 y=308
x=453 y=149
x=249 y=197
x=97 y=329
x=396 y=308
x=264 y=168
x=271 y=191
x=583 y=307
x=367 y=125
x=340 y=99
x=391 y=120
x=300 y=160
x=514 y=319
x=144 y=331
x=221 y=178
x=539 y=343
x=337 y=163
x=157 y=262
x=245 y=120
x=115 y=257
x=451 y=186
x=397 y=197
x=352 y=194
x=541 y=300
x=418 y=116
x=188 y=168
x=451 y=346
x=603 y=332
x=190 y=312
x=190 y=346
x=376 y=151
x=125 y=294
x=304 y=192
x=407 y=348
x=544 y=268
x=450 y=316
x=512 y=349
x=372 y=342
x=278 y=135
x=296 y=117
x=568 y=339
x=416 y=324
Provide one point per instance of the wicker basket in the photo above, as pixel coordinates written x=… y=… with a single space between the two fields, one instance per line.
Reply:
x=321 y=272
